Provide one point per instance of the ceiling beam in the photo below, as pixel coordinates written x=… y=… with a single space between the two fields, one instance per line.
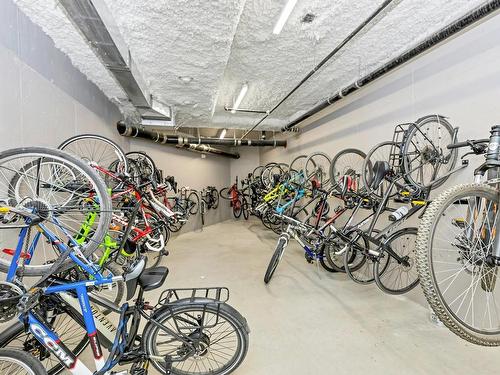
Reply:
x=96 y=23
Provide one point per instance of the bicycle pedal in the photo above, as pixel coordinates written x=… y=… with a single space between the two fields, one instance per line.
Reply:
x=309 y=259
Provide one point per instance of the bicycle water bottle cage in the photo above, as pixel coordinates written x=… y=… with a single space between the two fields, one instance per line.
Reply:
x=380 y=170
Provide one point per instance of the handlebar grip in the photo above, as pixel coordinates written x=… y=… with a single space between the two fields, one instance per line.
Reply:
x=466 y=143
x=457 y=145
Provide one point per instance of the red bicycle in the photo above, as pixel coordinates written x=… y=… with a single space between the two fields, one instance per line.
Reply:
x=237 y=199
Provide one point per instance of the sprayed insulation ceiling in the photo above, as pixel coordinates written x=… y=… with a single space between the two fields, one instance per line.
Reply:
x=219 y=45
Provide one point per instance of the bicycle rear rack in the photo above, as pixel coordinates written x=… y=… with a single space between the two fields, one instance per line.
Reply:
x=398 y=137
x=216 y=295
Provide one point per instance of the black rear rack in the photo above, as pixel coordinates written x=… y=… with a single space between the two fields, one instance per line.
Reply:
x=217 y=295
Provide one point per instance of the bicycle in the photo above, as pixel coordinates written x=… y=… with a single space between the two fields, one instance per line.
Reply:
x=458 y=249
x=234 y=196
x=389 y=172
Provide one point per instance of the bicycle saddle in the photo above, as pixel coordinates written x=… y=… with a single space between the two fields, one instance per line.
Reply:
x=380 y=170
x=153 y=277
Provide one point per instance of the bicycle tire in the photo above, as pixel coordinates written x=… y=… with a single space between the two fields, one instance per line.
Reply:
x=409 y=142
x=16 y=331
x=310 y=159
x=202 y=308
x=22 y=360
x=99 y=189
x=356 y=273
x=367 y=172
x=224 y=193
x=237 y=208
x=215 y=196
x=296 y=165
x=275 y=259
x=193 y=197
x=245 y=209
x=427 y=270
x=153 y=176
x=336 y=171
x=380 y=274
x=257 y=172
x=69 y=145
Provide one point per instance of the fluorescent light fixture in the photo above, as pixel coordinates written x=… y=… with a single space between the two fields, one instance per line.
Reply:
x=285 y=13
x=240 y=97
x=222 y=134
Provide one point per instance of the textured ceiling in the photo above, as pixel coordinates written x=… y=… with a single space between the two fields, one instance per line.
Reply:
x=223 y=44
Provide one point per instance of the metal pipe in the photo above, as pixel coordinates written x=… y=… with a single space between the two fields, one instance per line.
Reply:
x=438 y=37
x=204 y=149
x=324 y=61
x=134 y=131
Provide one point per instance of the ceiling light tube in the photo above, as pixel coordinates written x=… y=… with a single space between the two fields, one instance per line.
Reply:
x=222 y=134
x=285 y=13
x=240 y=97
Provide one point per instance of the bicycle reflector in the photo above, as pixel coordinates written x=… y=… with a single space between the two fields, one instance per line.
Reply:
x=12 y=251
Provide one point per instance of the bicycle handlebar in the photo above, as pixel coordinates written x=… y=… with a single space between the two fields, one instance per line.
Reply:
x=467 y=143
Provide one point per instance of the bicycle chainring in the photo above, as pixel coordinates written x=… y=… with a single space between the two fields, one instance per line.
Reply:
x=10 y=294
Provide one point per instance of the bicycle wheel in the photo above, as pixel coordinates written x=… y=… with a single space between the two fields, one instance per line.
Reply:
x=17 y=362
x=217 y=331
x=298 y=164
x=270 y=175
x=275 y=259
x=424 y=153
x=64 y=192
x=332 y=250
x=454 y=240
x=316 y=168
x=374 y=181
x=237 y=208
x=257 y=172
x=348 y=162
x=244 y=208
x=215 y=198
x=68 y=326
x=146 y=168
x=104 y=154
x=194 y=202
x=391 y=276
x=357 y=264
x=224 y=193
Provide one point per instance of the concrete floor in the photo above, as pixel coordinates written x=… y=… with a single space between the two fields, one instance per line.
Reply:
x=310 y=322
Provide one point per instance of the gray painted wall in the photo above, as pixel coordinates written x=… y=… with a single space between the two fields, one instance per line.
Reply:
x=44 y=99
